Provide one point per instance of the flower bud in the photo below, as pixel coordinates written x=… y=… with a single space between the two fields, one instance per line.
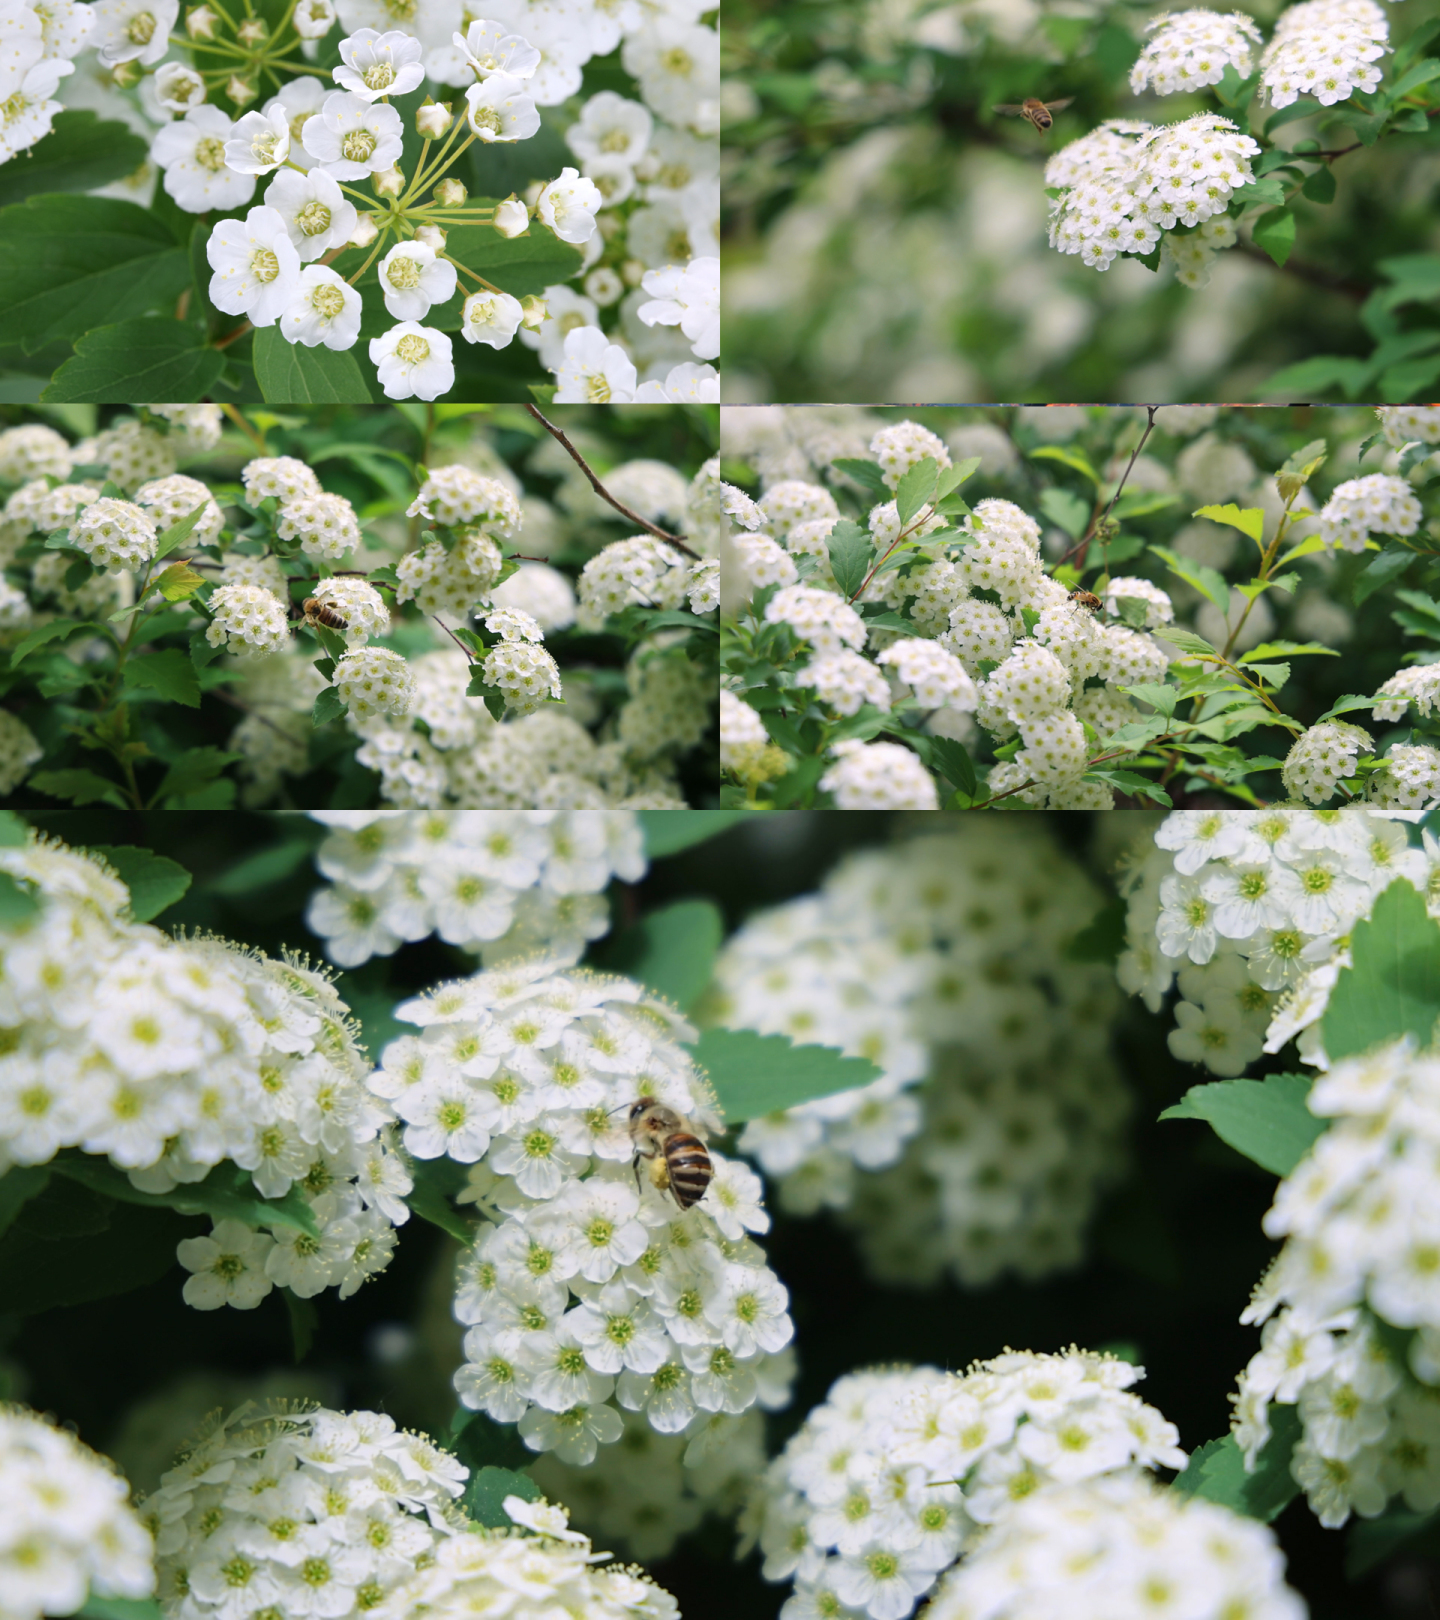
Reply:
x=450 y=194
x=432 y=236
x=432 y=120
x=633 y=272
x=512 y=217
x=252 y=31
x=534 y=312
x=126 y=75
x=239 y=90
x=201 y=23
x=365 y=232
x=388 y=183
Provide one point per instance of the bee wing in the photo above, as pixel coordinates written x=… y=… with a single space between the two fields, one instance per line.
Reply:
x=1061 y=105
x=1009 y=107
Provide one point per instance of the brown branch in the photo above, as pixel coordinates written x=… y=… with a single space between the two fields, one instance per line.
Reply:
x=237 y=416
x=235 y=703
x=469 y=656
x=1313 y=273
x=676 y=540
x=1083 y=543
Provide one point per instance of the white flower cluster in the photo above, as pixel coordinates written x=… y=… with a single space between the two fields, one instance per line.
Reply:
x=33 y=451
x=68 y=1528
x=1246 y=906
x=1114 y=1545
x=247 y=620
x=940 y=960
x=1326 y=49
x=1404 y=424
x=374 y=681
x=41 y=43
x=360 y=605
x=1125 y=183
x=114 y=534
x=191 y=1052
x=542 y=1570
x=1359 y=1217
x=994 y=636
x=504 y=884
x=891 y=1480
x=584 y=1285
x=1190 y=49
x=1377 y=502
x=1322 y=757
x=299 y=1510
x=640 y=571
x=1419 y=684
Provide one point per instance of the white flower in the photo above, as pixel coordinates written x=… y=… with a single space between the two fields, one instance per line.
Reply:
x=412 y=278
x=228 y=1267
x=114 y=534
x=259 y=142
x=191 y=151
x=178 y=88
x=683 y=384
x=132 y=30
x=1193 y=48
x=499 y=109
x=413 y=360
x=323 y=309
x=247 y=619
x=594 y=370
x=316 y=214
x=490 y=317
x=678 y=66
x=870 y=776
x=353 y=137
x=487 y=48
x=1326 y=49
x=256 y=266
x=376 y=65
x=373 y=680
x=445 y=1117
x=299 y=100
x=512 y=217
x=1378 y=502
x=313 y=19
x=569 y=205
x=688 y=297
x=611 y=127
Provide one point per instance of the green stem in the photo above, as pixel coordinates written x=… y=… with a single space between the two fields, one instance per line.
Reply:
x=447 y=155
x=449 y=162
x=1267 y=562
x=214 y=47
x=474 y=274
x=374 y=251
x=297 y=67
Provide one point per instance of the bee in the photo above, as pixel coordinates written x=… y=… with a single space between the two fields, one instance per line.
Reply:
x=1038 y=112
x=1086 y=599
x=677 y=1155
x=318 y=612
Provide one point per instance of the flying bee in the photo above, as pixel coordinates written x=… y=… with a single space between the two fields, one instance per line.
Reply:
x=1086 y=599
x=318 y=612
x=674 y=1147
x=1038 y=112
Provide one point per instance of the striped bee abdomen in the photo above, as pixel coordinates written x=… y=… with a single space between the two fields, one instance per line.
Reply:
x=689 y=1168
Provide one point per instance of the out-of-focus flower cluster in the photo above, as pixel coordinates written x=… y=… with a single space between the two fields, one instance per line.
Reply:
x=170 y=1057
x=587 y=1290
x=996 y=1121
x=502 y=884
x=895 y=1476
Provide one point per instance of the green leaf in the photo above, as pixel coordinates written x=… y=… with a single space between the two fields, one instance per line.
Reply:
x=19 y=1184
x=1372 y=1541
x=179 y=582
x=480 y=1442
x=17 y=904
x=1286 y=649
x=1066 y=510
x=14 y=834
x=1251 y=521
x=1135 y=503
x=851 y=553
x=667 y=832
x=1287 y=115
x=1266 y=1120
x=953 y=761
x=436 y=1183
x=329 y=705
x=56 y=630
x=485 y=1493
x=292 y=374
x=195 y=769
x=178 y=532
x=133 y=362
x=304 y=1319
x=40 y=1273
x=671 y=950
x=118 y=1608
x=1275 y=233
x=1217 y=1471
x=1309 y=379
x=865 y=473
x=1319 y=187
x=1393 y=988
x=155 y=882
x=169 y=673
x=79 y=787
x=915 y=490
x=516 y=264
x=950 y=479
x=226 y=1194
x=1208 y=581
x=1346 y=705
x=1067 y=458
x=1163 y=698
x=1102 y=939
x=67 y=264
x=80 y=153
x=1187 y=641
x=1388 y=565
x=261 y=870
x=764 y=1074
x=1422 y=73
x=1266 y=191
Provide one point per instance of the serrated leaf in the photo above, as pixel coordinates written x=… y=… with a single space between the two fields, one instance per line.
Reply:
x=915 y=489
x=168 y=673
x=667 y=832
x=952 y=760
x=81 y=153
x=179 y=532
x=135 y=361
x=485 y=1493
x=56 y=630
x=851 y=551
x=329 y=705
x=1187 y=641
x=226 y=1193
x=135 y=1247
x=950 y=478
x=1208 y=581
x=1159 y=697
x=79 y=787
x=1250 y=520
x=179 y=582
x=1266 y=1120
x=1388 y=565
x=1393 y=986
x=19 y=1184
x=763 y=1074
x=672 y=949
x=1135 y=503
x=1067 y=458
x=480 y=1442
x=1217 y=1471
x=155 y=882
x=865 y=473
x=1066 y=510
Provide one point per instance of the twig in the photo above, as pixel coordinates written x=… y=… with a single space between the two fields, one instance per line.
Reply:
x=238 y=419
x=235 y=703
x=230 y=337
x=1312 y=273
x=1095 y=522
x=470 y=657
x=652 y=528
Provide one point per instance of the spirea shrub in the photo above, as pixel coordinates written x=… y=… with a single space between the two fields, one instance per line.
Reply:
x=432 y=684
x=588 y=1288
x=896 y=1475
x=185 y=1061
x=996 y=1121
x=68 y=1531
